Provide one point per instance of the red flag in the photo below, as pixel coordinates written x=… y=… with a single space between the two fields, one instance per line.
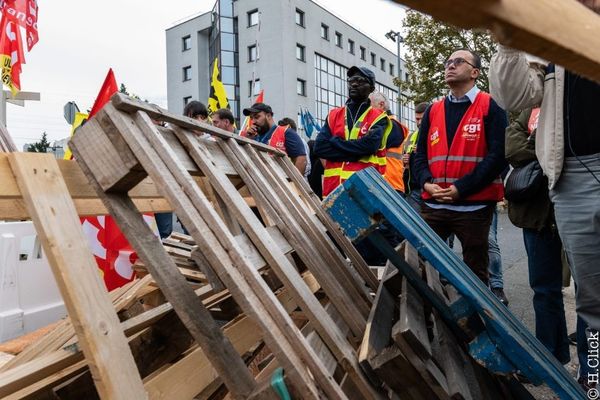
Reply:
x=259 y=99
x=109 y=87
x=25 y=14
x=11 y=54
x=111 y=249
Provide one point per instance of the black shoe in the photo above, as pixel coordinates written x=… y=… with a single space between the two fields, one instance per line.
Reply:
x=573 y=339
x=499 y=293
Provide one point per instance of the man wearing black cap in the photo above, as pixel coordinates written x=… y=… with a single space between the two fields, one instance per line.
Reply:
x=264 y=129
x=354 y=137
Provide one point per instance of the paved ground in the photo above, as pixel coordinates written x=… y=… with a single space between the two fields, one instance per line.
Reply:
x=516 y=286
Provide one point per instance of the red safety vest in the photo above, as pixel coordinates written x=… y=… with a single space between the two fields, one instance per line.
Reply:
x=468 y=148
x=394 y=169
x=337 y=172
x=277 y=139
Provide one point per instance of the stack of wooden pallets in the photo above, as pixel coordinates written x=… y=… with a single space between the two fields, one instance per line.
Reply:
x=265 y=296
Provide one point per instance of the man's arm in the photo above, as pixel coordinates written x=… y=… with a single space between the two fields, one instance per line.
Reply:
x=515 y=83
x=294 y=146
x=419 y=163
x=494 y=162
x=334 y=148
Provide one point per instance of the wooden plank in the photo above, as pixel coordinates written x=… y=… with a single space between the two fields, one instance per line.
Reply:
x=95 y=321
x=540 y=27
x=131 y=105
x=332 y=227
x=452 y=362
x=411 y=325
x=211 y=234
x=286 y=272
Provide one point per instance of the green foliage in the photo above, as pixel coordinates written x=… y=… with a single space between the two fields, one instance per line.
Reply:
x=41 y=146
x=429 y=43
x=123 y=89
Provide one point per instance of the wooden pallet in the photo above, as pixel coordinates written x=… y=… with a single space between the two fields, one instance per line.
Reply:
x=121 y=147
x=406 y=337
x=502 y=344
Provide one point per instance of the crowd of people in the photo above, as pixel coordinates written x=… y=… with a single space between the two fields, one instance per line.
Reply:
x=451 y=171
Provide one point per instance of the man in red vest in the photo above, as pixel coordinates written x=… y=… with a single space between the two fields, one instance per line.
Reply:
x=264 y=129
x=355 y=136
x=459 y=158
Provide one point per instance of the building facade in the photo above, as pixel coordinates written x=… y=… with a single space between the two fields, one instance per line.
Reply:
x=296 y=51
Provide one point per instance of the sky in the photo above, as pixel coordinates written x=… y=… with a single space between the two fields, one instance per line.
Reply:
x=80 y=41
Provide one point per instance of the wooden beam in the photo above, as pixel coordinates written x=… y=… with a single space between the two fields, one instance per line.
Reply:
x=131 y=105
x=564 y=32
x=95 y=322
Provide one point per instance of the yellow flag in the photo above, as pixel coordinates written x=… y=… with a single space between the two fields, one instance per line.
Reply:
x=79 y=118
x=218 y=95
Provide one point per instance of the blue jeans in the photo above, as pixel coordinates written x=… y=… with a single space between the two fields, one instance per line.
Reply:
x=164 y=223
x=545 y=278
x=495 y=265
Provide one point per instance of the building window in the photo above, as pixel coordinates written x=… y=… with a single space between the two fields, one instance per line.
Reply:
x=338 y=39
x=186 y=43
x=186 y=100
x=350 y=46
x=301 y=87
x=373 y=59
x=382 y=64
x=324 y=31
x=363 y=53
x=391 y=69
x=253 y=18
x=330 y=86
x=299 y=17
x=187 y=73
x=253 y=90
x=300 y=52
x=253 y=53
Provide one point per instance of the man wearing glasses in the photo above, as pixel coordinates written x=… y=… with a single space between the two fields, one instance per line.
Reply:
x=354 y=137
x=459 y=158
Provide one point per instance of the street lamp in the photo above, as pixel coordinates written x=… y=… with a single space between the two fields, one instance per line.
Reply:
x=398 y=39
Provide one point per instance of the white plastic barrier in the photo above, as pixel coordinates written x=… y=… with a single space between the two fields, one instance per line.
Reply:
x=29 y=297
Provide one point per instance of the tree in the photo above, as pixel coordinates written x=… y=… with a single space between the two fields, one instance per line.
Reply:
x=40 y=147
x=429 y=43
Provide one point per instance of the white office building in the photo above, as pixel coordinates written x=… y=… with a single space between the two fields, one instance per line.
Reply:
x=296 y=51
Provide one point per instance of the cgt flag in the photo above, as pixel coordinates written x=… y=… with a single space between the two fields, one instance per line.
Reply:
x=11 y=54
x=218 y=95
x=16 y=14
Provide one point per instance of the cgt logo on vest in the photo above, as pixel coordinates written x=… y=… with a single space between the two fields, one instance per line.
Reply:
x=472 y=129
x=434 y=138
x=363 y=129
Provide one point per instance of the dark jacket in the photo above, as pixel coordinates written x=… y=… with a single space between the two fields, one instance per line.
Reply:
x=536 y=213
x=333 y=148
